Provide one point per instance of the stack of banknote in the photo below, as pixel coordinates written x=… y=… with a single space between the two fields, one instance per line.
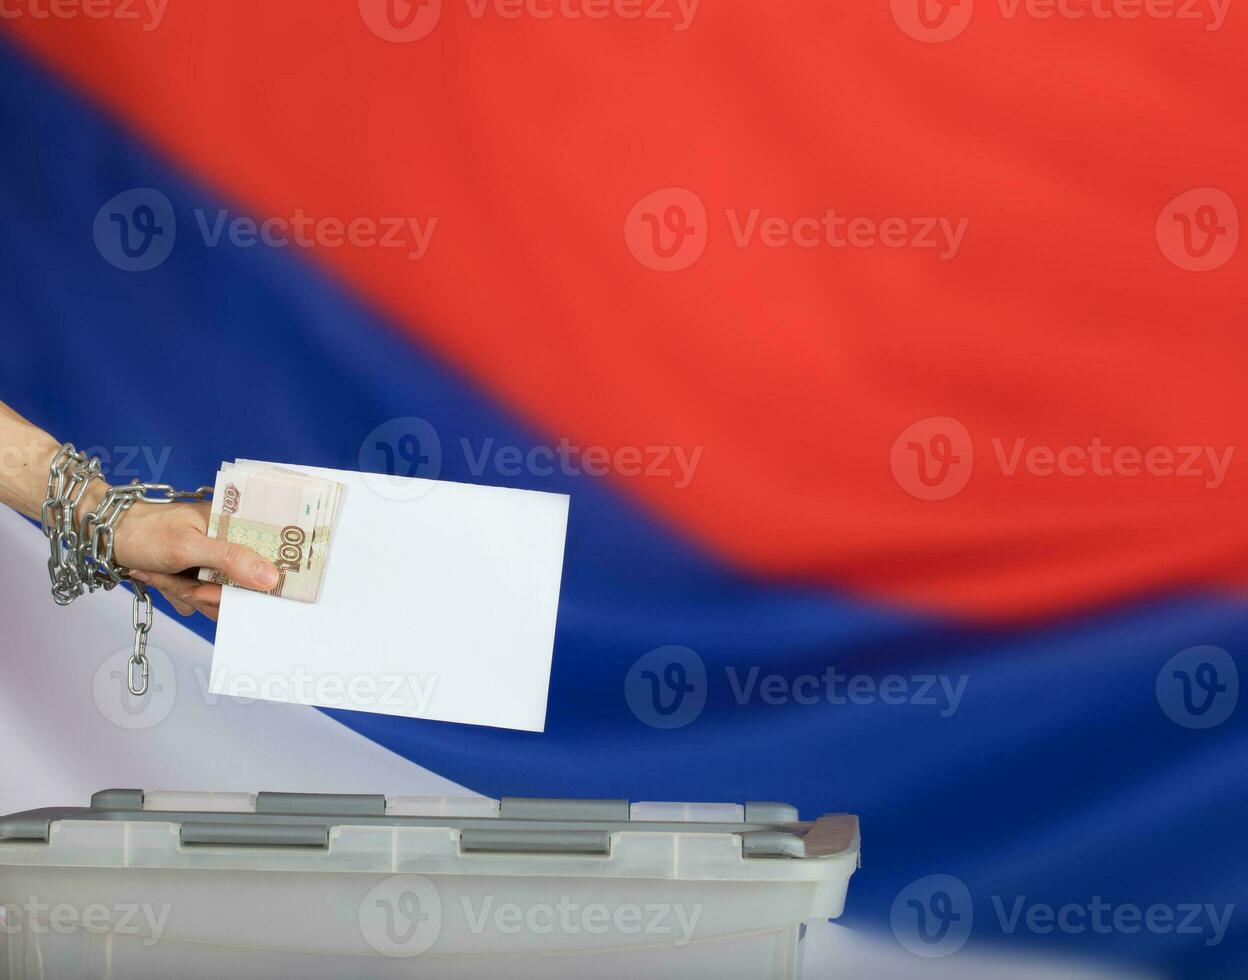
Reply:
x=286 y=516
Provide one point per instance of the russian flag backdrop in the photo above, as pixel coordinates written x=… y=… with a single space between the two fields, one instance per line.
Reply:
x=891 y=354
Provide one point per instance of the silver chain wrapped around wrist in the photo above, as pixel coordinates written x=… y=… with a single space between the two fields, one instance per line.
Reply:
x=82 y=552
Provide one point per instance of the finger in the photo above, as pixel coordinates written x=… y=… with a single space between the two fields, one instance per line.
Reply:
x=176 y=588
x=208 y=594
x=187 y=595
x=207 y=600
x=181 y=608
x=241 y=564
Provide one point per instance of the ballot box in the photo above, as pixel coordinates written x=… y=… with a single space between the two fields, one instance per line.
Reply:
x=158 y=885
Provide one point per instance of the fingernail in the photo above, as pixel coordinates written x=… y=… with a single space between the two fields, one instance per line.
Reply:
x=139 y=576
x=266 y=574
x=185 y=598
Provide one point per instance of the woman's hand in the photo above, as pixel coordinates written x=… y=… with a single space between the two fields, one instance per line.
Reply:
x=164 y=545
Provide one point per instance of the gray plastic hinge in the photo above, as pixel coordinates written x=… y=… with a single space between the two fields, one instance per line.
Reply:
x=537 y=841
x=118 y=799
x=524 y=808
x=772 y=844
x=255 y=835
x=35 y=830
x=321 y=805
x=770 y=813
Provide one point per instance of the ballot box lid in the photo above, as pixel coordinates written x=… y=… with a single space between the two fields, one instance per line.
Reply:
x=752 y=841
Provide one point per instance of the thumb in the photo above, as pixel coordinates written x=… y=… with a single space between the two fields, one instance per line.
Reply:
x=241 y=564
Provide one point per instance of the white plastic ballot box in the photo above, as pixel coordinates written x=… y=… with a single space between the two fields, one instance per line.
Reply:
x=276 y=885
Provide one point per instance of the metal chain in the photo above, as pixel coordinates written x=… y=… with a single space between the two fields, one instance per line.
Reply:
x=82 y=560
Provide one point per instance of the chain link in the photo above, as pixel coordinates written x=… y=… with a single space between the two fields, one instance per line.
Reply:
x=82 y=559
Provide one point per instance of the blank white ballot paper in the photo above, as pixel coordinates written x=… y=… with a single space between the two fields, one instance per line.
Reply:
x=439 y=602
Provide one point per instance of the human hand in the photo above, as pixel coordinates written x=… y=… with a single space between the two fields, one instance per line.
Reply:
x=161 y=543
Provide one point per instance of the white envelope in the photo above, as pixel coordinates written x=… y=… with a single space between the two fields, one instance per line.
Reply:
x=439 y=602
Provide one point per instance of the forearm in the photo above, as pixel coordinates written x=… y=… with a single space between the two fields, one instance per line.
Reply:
x=26 y=453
